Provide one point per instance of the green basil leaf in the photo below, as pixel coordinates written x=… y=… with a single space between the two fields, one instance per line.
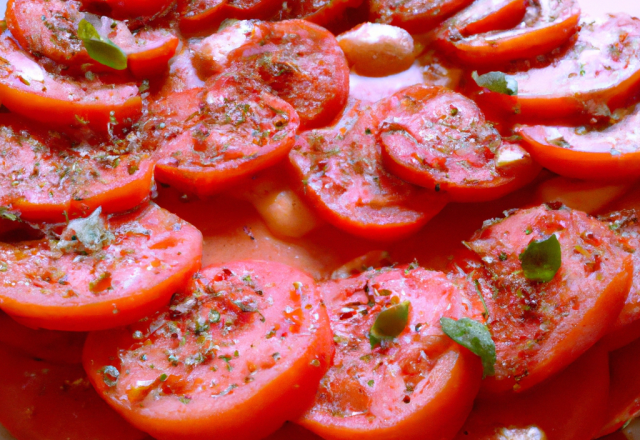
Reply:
x=8 y=215
x=101 y=49
x=497 y=82
x=476 y=337
x=541 y=259
x=389 y=323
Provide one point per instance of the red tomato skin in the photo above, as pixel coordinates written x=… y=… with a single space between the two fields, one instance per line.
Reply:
x=134 y=9
x=483 y=17
x=206 y=18
x=254 y=412
x=153 y=62
x=568 y=406
x=132 y=303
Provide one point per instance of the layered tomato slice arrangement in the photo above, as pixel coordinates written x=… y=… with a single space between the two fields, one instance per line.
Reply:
x=338 y=219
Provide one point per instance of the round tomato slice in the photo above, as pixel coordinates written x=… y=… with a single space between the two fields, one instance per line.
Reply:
x=610 y=153
x=419 y=384
x=100 y=272
x=416 y=16
x=471 y=38
x=595 y=75
x=569 y=406
x=238 y=129
x=302 y=64
x=45 y=401
x=483 y=16
x=538 y=326
x=252 y=8
x=439 y=139
x=49 y=345
x=343 y=177
x=623 y=403
x=47 y=176
x=135 y=9
x=198 y=16
x=27 y=89
x=150 y=53
x=627 y=327
x=320 y=12
x=235 y=357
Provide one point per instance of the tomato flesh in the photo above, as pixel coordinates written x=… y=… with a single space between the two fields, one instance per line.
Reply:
x=60 y=285
x=253 y=341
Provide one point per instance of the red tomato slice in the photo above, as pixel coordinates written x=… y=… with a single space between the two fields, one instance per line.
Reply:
x=73 y=178
x=236 y=129
x=129 y=8
x=627 y=327
x=609 y=153
x=420 y=385
x=103 y=272
x=252 y=8
x=27 y=89
x=541 y=327
x=320 y=12
x=592 y=77
x=439 y=139
x=45 y=401
x=49 y=345
x=569 y=406
x=199 y=16
x=235 y=357
x=150 y=54
x=483 y=16
x=416 y=16
x=291 y=431
x=623 y=403
x=342 y=176
x=302 y=64
x=476 y=35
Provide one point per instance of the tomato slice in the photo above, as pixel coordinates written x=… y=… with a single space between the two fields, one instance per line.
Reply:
x=302 y=64
x=151 y=52
x=235 y=357
x=623 y=403
x=48 y=175
x=343 y=177
x=27 y=89
x=135 y=9
x=199 y=16
x=541 y=327
x=418 y=385
x=439 y=139
x=102 y=272
x=252 y=8
x=586 y=152
x=45 y=401
x=568 y=406
x=477 y=35
x=320 y=12
x=595 y=75
x=236 y=130
x=291 y=431
x=416 y=16
x=49 y=345
x=483 y=16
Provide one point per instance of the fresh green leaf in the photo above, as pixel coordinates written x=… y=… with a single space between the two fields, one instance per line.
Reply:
x=497 y=82
x=8 y=215
x=101 y=49
x=476 y=337
x=541 y=259
x=389 y=323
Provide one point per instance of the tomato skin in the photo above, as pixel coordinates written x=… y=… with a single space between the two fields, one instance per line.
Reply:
x=101 y=293
x=483 y=16
x=200 y=16
x=541 y=35
x=415 y=16
x=604 y=154
x=436 y=138
x=281 y=388
x=418 y=385
x=153 y=61
x=44 y=401
x=571 y=324
x=135 y=9
x=352 y=190
x=569 y=406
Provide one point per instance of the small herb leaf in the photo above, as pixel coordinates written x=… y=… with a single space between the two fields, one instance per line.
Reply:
x=101 y=49
x=474 y=336
x=541 y=259
x=497 y=82
x=389 y=323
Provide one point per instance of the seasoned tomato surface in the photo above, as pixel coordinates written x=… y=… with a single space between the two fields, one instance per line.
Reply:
x=235 y=356
x=99 y=272
x=416 y=16
x=439 y=139
x=540 y=327
x=417 y=385
x=342 y=175
x=47 y=175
